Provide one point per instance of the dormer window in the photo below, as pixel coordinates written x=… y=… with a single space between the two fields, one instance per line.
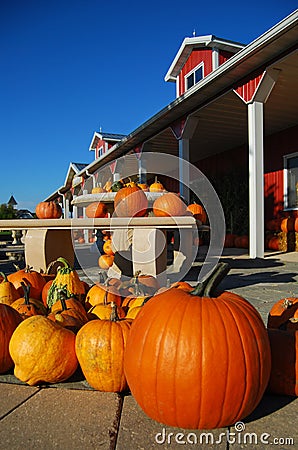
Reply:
x=194 y=76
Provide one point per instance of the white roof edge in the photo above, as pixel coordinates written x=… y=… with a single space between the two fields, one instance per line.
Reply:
x=208 y=40
x=95 y=134
x=259 y=41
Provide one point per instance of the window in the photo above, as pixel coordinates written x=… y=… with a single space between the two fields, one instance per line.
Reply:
x=195 y=76
x=291 y=181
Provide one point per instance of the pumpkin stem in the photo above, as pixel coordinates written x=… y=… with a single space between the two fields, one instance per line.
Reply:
x=207 y=287
x=26 y=289
x=62 y=297
x=67 y=267
x=114 y=314
x=4 y=277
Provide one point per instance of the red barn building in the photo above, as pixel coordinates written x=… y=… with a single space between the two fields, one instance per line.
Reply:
x=235 y=118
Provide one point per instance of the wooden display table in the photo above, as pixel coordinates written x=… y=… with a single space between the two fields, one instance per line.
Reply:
x=47 y=239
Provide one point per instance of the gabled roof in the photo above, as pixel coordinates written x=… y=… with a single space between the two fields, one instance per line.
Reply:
x=73 y=169
x=190 y=43
x=108 y=137
x=12 y=201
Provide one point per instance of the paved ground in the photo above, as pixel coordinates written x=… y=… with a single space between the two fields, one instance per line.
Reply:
x=71 y=415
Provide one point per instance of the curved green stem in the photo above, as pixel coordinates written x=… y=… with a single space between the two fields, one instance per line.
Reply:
x=207 y=287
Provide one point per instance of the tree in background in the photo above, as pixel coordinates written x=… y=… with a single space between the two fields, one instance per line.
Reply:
x=7 y=212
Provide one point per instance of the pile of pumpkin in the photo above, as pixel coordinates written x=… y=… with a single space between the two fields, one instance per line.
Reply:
x=280 y=233
x=131 y=201
x=193 y=357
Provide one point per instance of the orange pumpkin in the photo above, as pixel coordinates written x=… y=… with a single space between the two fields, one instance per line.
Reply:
x=130 y=201
x=102 y=294
x=169 y=204
x=105 y=261
x=29 y=276
x=198 y=212
x=107 y=247
x=282 y=311
x=156 y=186
x=96 y=210
x=100 y=346
x=27 y=306
x=287 y=224
x=45 y=291
x=282 y=326
x=48 y=210
x=170 y=356
x=43 y=351
x=273 y=243
x=241 y=241
x=68 y=313
x=143 y=186
x=97 y=189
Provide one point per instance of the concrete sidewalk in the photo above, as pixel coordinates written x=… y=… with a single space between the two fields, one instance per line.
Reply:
x=72 y=415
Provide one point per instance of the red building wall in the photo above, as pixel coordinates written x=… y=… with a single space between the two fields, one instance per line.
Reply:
x=276 y=146
x=197 y=56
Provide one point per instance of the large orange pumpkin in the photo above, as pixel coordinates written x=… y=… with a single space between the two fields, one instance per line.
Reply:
x=9 y=320
x=48 y=210
x=100 y=346
x=169 y=204
x=197 y=361
x=130 y=201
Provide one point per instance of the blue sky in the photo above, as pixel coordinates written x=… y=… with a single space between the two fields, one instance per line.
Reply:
x=71 y=67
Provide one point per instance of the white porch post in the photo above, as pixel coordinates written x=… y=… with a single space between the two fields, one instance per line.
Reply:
x=255 y=107
x=183 y=169
x=187 y=133
x=256 y=180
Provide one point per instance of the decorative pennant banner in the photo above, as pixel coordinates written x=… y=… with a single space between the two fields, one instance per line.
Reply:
x=138 y=151
x=113 y=167
x=178 y=127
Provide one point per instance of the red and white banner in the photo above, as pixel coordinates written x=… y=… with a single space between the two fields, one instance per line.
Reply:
x=113 y=167
x=138 y=151
x=178 y=127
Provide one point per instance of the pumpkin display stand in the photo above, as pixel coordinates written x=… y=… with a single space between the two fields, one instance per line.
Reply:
x=51 y=244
